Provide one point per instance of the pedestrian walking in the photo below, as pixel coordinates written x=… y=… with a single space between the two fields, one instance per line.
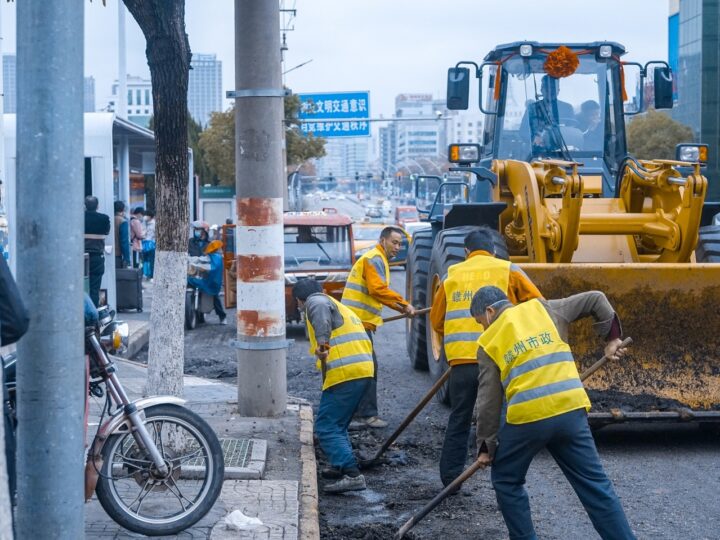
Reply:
x=122 y=236
x=148 y=245
x=97 y=227
x=525 y=361
x=137 y=235
x=344 y=357
x=450 y=318
x=366 y=292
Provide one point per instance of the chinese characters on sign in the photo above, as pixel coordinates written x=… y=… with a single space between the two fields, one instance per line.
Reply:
x=340 y=114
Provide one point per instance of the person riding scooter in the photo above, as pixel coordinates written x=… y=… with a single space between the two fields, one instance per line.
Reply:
x=212 y=282
x=200 y=238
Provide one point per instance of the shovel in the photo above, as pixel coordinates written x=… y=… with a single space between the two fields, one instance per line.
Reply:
x=472 y=469
x=367 y=463
x=422 y=311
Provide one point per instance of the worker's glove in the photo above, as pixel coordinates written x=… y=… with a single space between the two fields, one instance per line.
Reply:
x=485 y=460
x=409 y=310
x=322 y=351
x=613 y=351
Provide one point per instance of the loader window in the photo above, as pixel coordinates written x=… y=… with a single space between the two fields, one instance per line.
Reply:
x=547 y=117
x=314 y=246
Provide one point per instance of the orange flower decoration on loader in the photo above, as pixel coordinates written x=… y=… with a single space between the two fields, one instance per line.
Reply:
x=562 y=62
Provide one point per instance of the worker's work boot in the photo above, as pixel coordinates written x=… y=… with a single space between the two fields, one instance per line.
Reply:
x=332 y=473
x=347 y=483
x=375 y=422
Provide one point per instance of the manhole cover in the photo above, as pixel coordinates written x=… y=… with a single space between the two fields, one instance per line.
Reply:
x=237 y=453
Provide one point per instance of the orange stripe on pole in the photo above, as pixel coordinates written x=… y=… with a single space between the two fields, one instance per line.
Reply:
x=260 y=323
x=255 y=268
x=256 y=211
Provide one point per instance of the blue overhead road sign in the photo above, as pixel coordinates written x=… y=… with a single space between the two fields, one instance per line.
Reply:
x=336 y=114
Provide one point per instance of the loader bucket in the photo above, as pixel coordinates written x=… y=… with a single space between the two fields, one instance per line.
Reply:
x=672 y=312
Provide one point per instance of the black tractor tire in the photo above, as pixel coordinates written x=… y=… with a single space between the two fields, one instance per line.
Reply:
x=708 y=246
x=448 y=249
x=416 y=272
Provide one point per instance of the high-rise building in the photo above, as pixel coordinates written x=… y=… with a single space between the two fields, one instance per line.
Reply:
x=697 y=59
x=10 y=87
x=89 y=94
x=386 y=147
x=418 y=138
x=139 y=100
x=344 y=156
x=10 y=83
x=204 y=87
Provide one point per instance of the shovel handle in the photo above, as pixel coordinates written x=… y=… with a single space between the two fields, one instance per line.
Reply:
x=422 y=311
x=600 y=363
x=425 y=510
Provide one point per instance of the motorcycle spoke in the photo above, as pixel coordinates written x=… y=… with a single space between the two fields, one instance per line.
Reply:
x=144 y=492
x=179 y=494
x=193 y=455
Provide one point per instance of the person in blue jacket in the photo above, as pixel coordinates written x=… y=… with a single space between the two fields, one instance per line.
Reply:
x=212 y=283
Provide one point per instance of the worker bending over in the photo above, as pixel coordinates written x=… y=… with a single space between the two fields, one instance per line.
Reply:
x=524 y=357
x=366 y=292
x=344 y=353
x=450 y=318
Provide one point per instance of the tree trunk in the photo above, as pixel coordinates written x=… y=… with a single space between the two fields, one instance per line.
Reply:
x=168 y=53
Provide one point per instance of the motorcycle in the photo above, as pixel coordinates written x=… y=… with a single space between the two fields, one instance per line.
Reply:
x=197 y=305
x=156 y=467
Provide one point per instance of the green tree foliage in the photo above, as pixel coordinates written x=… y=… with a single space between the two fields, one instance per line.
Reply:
x=217 y=142
x=654 y=136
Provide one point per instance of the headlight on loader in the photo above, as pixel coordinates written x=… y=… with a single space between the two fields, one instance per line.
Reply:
x=692 y=153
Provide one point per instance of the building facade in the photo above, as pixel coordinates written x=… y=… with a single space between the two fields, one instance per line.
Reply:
x=344 y=156
x=697 y=24
x=205 y=87
x=139 y=100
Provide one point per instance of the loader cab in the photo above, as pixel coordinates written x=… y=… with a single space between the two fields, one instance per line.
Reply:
x=573 y=110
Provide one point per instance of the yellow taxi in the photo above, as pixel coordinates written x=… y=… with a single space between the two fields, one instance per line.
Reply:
x=366 y=235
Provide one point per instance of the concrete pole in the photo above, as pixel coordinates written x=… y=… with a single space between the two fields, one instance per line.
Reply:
x=260 y=185
x=51 y=373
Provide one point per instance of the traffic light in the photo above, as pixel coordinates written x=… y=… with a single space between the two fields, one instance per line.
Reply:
x=357 y=176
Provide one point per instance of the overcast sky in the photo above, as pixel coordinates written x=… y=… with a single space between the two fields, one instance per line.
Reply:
x=385 y=46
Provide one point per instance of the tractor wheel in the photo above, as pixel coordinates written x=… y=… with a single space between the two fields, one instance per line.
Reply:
x=416 y=274
x=708 y=246
x=448 y=249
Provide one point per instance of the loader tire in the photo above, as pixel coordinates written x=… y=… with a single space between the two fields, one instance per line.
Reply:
x=416 y=272
x=708 y=246
x=448 y=249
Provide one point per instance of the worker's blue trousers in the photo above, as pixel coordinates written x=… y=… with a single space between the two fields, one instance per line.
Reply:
x=337 y=406
x=568 y=439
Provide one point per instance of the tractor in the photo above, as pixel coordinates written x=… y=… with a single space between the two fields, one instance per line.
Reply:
x=552 y=177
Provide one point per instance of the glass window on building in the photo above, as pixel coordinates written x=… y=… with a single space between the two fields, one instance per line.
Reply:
x=147 y=97
x=129 y=97
x=137 y=96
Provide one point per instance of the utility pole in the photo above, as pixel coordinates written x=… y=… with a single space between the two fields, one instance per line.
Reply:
x=51 y=373
x=121 y=106
x=260 y=184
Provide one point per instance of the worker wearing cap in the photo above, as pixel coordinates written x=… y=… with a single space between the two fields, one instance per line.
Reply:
x=212 y=283
x=344 y=352
x=366 y=292
x=450 y=318
x=523 y=357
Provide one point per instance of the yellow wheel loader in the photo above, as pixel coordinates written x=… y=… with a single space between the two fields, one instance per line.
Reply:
x=576 y=212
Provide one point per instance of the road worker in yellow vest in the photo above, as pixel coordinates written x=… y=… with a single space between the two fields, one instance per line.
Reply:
x=450 y=318
x=524 y=360
x=344 y=357
x=366 y=292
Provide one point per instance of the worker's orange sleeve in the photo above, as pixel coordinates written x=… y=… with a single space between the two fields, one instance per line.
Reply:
x=437 y=312
x=520 y=288
x=379 y=290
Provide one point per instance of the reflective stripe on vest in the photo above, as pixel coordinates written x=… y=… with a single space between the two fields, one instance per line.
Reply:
x=537 y=368
x=356 y=295
x=350 y=350
x=462 y=282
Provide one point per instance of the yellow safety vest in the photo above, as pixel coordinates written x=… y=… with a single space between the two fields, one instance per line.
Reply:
x=537 y=368
x=350 y=355
x=356 y=295
x=462 y=282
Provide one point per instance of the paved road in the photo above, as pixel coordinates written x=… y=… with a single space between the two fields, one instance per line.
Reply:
x=667 y=476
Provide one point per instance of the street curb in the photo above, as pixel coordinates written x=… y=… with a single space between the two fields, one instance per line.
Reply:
x=309 y=516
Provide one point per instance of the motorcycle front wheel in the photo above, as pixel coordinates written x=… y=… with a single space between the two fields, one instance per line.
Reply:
x=137 y=496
